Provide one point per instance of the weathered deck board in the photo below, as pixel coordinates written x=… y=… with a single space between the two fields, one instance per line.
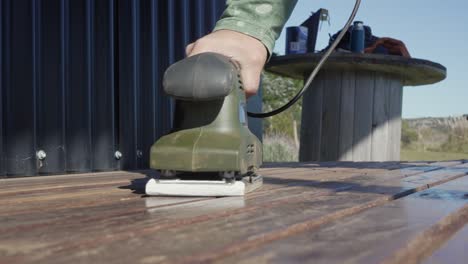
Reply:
x=105 y=207
x=372 y=236
x=453 y=251
x=100 y=218
x=76 y=198
x=424 y=244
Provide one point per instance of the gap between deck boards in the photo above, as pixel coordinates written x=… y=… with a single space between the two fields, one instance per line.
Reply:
x=262 y=239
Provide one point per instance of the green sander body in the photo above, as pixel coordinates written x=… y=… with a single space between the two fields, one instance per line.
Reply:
x=210 y=132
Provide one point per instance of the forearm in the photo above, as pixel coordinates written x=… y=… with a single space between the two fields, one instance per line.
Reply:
x=261 y=19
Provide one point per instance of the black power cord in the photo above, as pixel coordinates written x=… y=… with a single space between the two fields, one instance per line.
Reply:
x=314 y=72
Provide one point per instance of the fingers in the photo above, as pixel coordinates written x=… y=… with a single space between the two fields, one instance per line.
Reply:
x=201 y=46
x=248 y=52
x=189 y=49
x=250 y=79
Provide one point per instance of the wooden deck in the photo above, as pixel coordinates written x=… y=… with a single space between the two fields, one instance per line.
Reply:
x=305 y=212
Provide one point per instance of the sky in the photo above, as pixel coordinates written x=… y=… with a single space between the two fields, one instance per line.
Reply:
x=431 y=29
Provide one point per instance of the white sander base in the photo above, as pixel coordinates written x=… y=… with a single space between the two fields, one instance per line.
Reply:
x=178 y=187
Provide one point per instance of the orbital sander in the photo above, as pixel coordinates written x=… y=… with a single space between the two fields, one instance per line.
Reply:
x=210 y=150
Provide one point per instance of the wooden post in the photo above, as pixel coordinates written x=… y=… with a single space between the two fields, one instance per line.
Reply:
x=352 y=115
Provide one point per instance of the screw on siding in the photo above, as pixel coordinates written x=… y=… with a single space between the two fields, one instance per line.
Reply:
x=139 y=153
x=41 y=154
x=118 y=155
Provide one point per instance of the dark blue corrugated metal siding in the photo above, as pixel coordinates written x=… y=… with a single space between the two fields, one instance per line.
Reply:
x=2 y=155
x=81 y=79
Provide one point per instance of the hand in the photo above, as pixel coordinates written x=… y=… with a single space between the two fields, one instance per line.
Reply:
x=248 y=51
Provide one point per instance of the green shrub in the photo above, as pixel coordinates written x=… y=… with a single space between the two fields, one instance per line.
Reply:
x=408 y=135
x=457 y=141
x=278 y=148
x=277 y=91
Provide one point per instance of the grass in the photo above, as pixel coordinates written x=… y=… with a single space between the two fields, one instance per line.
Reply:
x=278 y=148
x=281 y=148
x=414 y=155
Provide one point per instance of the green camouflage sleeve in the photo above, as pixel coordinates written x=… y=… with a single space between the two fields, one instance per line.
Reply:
x=261 y=19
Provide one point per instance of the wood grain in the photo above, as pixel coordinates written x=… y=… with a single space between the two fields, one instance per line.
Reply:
x=395 y=101
x=348 y=86
x=380 y=120
x=331 y=110
x=425 y=243
x=412 y=71
x=363 y=116
x=116 y=225
x=312 y=116
x=352 y=115
x=453 y=251
x=405 y=226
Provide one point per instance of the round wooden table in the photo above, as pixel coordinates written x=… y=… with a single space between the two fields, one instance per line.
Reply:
x=352 y=112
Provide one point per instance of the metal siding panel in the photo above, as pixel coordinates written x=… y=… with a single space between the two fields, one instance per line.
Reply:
x=64 y=60
x=90 y=77
x=103 y=116
x=2 y=154
x=184 y=18
x=136 y=80
x=171 y=55
x=199 y=19
x=149 y=112
x=146 y=57
x=142 y=97
x=215 y=8
x=36 y=69
x=78 y=128
x=95 y=82
x=49 y=90
x=127 y=82
x=166 y=43
x=160 y=102
x=171 y=29
x=146 y=93
x=116 y=78
x=20 y=89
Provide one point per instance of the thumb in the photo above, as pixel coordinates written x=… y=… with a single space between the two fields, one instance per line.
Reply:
x=189 y=49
